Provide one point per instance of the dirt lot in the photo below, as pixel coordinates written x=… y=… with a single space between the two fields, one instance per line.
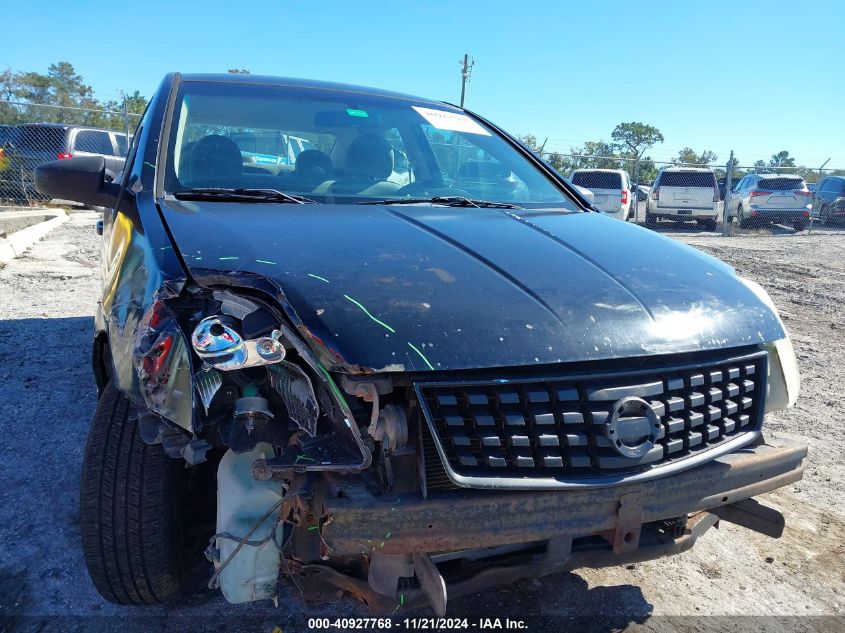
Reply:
x=47 y=397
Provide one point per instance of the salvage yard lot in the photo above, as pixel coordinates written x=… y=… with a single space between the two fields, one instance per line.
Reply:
x=47 y=397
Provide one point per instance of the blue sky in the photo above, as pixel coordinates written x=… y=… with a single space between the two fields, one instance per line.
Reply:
x=756 y=77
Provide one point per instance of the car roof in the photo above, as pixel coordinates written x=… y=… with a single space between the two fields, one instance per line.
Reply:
x=239 y=78
x=69 y=126
x=686 y=169
x=609 y=171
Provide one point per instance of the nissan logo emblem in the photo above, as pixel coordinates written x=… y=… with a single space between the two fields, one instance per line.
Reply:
x=631 y=419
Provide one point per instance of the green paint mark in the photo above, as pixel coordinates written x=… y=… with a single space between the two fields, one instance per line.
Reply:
x=413 y=347
x=303 y=458
x=320 y=278
x=382 y=545
x=266 y=261
x=149 y=164
x=223 y=259
x=313 y=527
x=359 y=113
x=367 y=312
x=387 y=536
x=402 y=600
x=197 y=258
x=338 y=396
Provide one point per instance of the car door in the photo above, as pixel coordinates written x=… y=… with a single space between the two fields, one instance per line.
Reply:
x=736 y=197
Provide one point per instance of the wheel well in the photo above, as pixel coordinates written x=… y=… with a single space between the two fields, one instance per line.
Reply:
x=101 y=360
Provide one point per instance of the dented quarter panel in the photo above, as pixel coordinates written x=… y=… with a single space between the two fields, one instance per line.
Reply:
x=424 y=288
x=140 y=266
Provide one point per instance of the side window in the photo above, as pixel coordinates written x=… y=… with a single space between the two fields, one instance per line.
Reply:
x=122 y=145
x=94 y=142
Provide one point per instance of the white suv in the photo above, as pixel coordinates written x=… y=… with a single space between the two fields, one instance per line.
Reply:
x=684 y=193
x=611 y=190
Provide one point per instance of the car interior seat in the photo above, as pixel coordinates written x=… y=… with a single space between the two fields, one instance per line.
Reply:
x=213 y=161
x=369 y=163
x=312 y=167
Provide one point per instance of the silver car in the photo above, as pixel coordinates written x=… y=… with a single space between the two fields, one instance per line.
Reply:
x=763 y=198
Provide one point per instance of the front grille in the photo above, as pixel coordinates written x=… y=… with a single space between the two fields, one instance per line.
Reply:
x=563 y=428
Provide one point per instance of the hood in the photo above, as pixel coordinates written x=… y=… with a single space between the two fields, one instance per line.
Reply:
x=421 y=288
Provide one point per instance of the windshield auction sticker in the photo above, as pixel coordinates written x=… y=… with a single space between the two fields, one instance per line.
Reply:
x=452 y=121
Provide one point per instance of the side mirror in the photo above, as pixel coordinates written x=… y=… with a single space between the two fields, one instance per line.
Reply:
x=79 y=179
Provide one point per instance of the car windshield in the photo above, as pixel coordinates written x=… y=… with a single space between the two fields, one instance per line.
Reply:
x=339 y=147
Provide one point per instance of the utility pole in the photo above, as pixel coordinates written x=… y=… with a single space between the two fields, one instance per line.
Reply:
x=812 y=212
x=125 y=118
x=466 y=71
x=729 y=174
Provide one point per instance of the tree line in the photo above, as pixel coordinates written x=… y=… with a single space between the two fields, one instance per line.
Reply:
x=630 y=141
x=61 y=96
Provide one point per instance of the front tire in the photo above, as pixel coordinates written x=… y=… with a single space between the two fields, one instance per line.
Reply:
x=824 y=215
x=145 y=518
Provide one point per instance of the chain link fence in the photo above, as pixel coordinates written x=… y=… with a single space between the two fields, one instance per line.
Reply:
x=33 y=134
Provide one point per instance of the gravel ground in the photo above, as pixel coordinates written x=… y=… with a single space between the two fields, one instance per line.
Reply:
x=47 y=299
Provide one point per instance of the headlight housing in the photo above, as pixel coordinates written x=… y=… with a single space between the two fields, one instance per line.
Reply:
x=784 y=382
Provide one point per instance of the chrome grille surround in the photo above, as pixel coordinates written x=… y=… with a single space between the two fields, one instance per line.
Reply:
x=553 y=431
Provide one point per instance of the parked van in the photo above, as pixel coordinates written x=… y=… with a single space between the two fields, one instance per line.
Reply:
x=684 y=193
x=611 y=189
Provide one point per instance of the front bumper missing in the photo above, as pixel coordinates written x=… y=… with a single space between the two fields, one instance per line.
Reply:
x=359 y=522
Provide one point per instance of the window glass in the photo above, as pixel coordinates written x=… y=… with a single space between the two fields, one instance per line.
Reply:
x=94 y=142
x=781 y=184
x=688 y=179
x=339 y=147
x=42 y=138
x=122 y=145
x=597 y=179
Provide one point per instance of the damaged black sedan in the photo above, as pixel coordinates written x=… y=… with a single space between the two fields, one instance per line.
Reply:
x=367 y=343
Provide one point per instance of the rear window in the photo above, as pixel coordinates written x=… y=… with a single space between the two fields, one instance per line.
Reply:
x=781 y=184
x=597 y=180
x=40 y=138
x=687 y=179
x=94 y=142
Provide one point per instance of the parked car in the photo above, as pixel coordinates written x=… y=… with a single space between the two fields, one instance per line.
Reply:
x=611 y=189
x=34 y=144
x=358 y=386
x=684 y=193
x=763 y=198
x=829 y=199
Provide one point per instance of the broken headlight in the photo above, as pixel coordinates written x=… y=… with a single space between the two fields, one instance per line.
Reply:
x=259 y=382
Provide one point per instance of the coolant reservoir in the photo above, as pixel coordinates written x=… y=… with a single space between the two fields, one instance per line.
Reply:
x=241 y=502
